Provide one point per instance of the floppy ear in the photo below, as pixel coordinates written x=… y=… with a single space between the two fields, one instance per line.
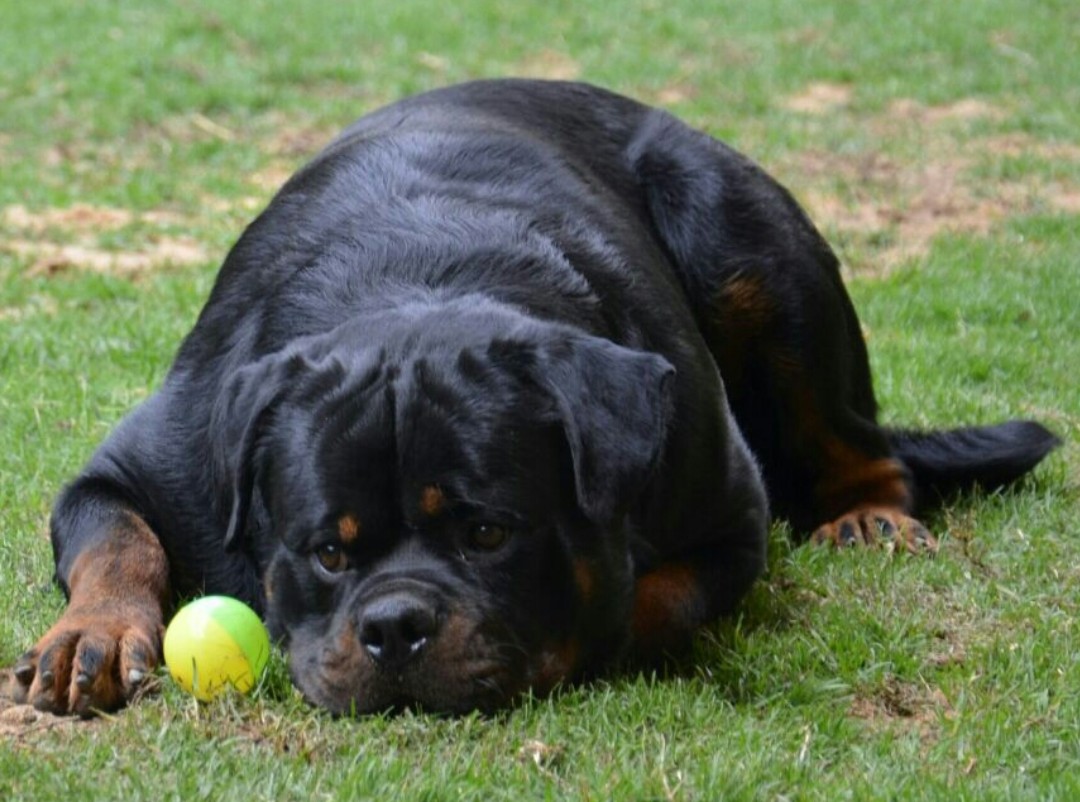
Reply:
x=242 y=414
x=614 y=404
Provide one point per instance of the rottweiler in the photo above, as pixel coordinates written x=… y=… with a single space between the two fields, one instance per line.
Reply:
x=505 y=386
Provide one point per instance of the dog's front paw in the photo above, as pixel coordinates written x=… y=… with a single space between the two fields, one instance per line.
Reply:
x=881 y=527
x=95 y=658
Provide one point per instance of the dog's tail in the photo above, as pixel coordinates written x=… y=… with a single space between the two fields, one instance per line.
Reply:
x=989 y=457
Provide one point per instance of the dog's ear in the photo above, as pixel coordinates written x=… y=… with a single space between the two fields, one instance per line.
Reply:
x=242 y=415
x=614 y=404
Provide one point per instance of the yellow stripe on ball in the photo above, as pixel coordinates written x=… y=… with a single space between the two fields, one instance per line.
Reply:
x=215 y=643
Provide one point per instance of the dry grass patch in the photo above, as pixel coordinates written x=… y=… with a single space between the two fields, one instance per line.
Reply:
x=550 y=64
x=50 y=258
x=1017 y=145
x=269 y=179
x=820 y=98
x=80 y=217
x=887 y=209
x=289 y=139
x=964 y=109
x=19 y=721
x=897 y=703
x=891 y=211
x=673 y=94
x=56 y=240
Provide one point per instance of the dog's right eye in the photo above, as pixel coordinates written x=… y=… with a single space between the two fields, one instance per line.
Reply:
x=332 y=558
x=487 y=537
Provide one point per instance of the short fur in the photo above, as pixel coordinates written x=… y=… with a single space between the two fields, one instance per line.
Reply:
x=498 y=389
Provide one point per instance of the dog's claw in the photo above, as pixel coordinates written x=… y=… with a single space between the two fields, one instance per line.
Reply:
x=24 y=673
x=886 y=529
x=889 y=529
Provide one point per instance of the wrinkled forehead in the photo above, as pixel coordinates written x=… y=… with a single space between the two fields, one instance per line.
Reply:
x=333 y=440
x=471 y=427
x=378 y=442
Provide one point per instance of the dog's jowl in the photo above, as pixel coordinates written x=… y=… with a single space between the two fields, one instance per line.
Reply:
x=502 y=387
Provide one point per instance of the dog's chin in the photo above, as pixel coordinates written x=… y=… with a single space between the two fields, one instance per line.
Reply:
x=459 y=672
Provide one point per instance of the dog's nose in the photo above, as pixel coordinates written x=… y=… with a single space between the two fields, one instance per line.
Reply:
x=396 y=627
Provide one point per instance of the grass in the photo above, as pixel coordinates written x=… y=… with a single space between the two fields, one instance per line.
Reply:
x=936 y=145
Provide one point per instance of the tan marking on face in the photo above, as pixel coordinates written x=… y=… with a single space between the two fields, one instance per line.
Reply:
x=348 y=527
x=558 y=663
x=432 y=500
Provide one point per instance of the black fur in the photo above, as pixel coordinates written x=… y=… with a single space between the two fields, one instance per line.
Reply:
x=947 y=462
x=455 y=402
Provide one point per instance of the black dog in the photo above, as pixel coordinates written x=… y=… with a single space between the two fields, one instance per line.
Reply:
x=493 y=392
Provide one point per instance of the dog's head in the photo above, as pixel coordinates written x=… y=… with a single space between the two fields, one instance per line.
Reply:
x=436 y=500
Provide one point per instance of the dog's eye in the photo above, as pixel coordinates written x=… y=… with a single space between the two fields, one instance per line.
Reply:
x=332 y=558
x=488 y=537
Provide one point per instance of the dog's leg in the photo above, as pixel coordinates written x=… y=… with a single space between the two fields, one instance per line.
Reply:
x=767 y=293
x=799 y=382
x=115 y=573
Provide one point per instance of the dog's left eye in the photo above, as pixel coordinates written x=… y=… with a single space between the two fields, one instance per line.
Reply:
x=488 y=537
x=332 y=558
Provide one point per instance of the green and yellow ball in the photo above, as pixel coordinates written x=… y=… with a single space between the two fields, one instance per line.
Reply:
x=215 y=643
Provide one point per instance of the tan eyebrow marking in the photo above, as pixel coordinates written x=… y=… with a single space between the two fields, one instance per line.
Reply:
x=432 y=500
x=348 y=527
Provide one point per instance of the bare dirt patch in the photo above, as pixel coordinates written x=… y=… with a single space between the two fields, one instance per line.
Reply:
x=294 y=140
x=550 y=64
x=906 y=109
x=674 y=93
x=903 y=704
x=1017 y=145
x=891 y=211
x=50 y=259
x=886 y=210
x=18 y=721
x=80 y=217
x=56 y=240
x=820 y=98
x=1067 y=200
x=270 y=178
x=83 y=218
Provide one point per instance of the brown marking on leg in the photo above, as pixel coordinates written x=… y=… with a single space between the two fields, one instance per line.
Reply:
x=109 y=638
x=864 y=499
x=432 y=500
x=850 y=479
x=744 y=299
x=669 y=606
x=742 y=312
x=883 y=527
x=847 y=477
x=827 y=443
x=348 y=527
x=584 y=579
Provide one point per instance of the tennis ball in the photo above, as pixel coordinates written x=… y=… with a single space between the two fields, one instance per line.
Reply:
x=215 y=643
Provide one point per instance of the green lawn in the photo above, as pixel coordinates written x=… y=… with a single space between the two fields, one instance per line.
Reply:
x=936 y=144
